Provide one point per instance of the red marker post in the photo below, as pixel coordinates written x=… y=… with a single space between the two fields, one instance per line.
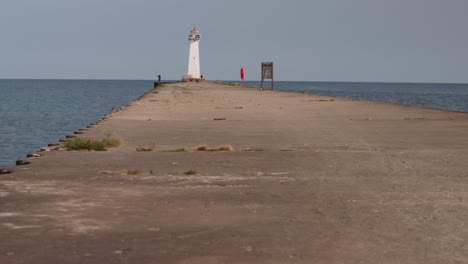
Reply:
x=242 y=73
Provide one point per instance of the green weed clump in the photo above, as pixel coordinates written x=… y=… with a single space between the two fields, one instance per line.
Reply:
x=90 y=144
x=84 y=144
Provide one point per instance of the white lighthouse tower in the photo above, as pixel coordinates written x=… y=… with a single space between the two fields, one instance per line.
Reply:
x=194 y=55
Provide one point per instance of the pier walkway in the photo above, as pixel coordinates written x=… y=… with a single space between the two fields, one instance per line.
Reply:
x=303 y=179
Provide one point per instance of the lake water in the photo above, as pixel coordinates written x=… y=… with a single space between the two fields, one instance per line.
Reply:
x=34 y=113
x=433 y=95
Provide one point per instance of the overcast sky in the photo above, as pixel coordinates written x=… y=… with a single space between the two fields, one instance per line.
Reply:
x=308 y=40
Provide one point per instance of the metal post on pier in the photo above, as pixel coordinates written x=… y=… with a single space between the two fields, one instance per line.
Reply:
x=267 y=73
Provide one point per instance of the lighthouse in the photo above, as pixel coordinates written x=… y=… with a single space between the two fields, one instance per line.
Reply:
x=194 y=55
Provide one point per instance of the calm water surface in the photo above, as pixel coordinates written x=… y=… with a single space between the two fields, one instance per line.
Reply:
x=433 y=95
x=34 y=113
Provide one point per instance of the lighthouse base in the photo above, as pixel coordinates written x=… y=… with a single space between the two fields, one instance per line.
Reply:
x=191 y=79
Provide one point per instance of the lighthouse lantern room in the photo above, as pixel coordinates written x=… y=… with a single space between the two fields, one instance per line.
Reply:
x=194 y=55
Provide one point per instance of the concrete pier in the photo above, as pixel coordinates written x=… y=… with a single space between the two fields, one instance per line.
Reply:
x=308 y=179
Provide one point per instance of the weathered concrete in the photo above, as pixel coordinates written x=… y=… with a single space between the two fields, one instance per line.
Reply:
x=312 y=180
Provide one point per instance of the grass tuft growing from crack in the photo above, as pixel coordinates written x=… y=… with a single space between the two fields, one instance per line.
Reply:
x=135 y=172
x=226 y=148
x=191 y=172
x=223 y=148
x=175 y=150
x=202 y=148
x=142 y=148
x=111 y=142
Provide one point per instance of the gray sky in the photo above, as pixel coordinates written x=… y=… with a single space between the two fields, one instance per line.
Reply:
x=308 y=40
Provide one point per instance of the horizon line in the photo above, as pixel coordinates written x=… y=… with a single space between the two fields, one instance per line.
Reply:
x=173 y=80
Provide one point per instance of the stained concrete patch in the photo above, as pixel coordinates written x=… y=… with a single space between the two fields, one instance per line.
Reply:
x=65 y=209
x=85 y=226
x=16 y=226
x=37 y=187
x=9 y=214
x=215 y=178
x=79 y=204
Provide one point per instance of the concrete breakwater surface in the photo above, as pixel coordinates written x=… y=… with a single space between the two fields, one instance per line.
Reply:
x=216 y=174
